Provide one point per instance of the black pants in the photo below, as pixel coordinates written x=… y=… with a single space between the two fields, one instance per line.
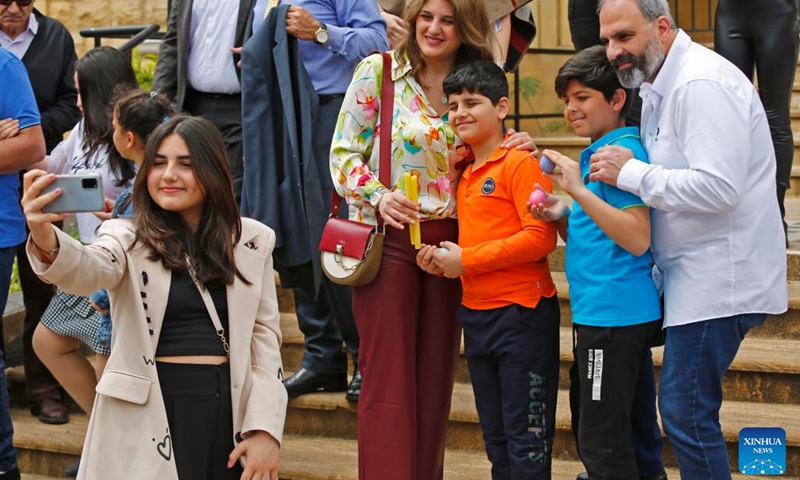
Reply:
x=198 y=403
x=608 y=361
x=584 y=27
x=324 y=309
x=224 y=111
x=513 y=358
x=36 y=294
x=325 y=317
x=763 y=35
x=645 y=432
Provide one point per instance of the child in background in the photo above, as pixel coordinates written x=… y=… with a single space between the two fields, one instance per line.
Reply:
x=136 y=114
x=615 y=305
x=509 y=312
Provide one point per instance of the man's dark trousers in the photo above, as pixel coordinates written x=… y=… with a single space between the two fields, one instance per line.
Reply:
x=325 y=315
x=224 y=111
x=40 y=384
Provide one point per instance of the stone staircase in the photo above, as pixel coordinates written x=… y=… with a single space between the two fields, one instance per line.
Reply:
x=762 y=388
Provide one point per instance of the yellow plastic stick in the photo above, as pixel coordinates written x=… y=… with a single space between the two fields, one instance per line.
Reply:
x=413 y=194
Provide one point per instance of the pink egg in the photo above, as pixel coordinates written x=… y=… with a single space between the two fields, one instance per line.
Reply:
x=537 y=197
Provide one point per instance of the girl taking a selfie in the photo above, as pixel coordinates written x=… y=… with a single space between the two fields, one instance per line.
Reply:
x=193 y=386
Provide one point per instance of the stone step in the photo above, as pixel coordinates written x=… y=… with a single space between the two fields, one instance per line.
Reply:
x=765 y=370
x=15 y=379
x=330 y=415
x=786 y=326
x=569 y=145
x=317 y=458
x=47 y=449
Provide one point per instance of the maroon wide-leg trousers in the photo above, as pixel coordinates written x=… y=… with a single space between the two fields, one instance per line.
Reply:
x=409 y=350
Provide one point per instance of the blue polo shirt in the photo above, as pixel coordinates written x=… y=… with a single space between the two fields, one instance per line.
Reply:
x=608 y=286
x=16 y=101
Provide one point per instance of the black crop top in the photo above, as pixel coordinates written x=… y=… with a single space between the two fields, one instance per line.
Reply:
x=187 y=328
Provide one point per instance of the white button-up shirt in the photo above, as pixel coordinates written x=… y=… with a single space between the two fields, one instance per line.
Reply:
x=213 y=33
x=716 y=228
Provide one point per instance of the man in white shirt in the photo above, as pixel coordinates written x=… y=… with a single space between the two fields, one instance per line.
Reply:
x=716 y=228
x=197 y=67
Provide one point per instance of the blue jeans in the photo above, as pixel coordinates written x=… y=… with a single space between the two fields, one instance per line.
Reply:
x=645 y=434
x=8 y=454
x=696 y=356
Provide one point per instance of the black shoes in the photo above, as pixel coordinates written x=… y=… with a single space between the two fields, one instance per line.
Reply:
x=72 y=470
x=354 y=388
x=12 y=474
x=662 y=475
x=305 y=381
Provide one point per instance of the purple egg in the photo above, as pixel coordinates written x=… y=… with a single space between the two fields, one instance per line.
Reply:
x=547 y=165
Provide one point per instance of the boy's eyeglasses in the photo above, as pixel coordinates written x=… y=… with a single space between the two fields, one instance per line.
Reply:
x=21 y=3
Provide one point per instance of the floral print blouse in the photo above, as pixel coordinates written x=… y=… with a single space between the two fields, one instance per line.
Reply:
x=423 y=143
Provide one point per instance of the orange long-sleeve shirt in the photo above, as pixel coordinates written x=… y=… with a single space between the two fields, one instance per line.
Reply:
x=504 y=248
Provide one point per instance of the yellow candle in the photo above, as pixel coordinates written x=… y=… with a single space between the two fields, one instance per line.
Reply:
x=413 y=194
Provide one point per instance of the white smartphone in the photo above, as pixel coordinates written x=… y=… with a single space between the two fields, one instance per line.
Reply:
x=79 y=193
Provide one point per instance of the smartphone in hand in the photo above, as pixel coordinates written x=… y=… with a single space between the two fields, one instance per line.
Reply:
x=79 y=193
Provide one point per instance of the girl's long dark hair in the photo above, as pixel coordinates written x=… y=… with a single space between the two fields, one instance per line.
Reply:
x=165 y=234
x=100 y=72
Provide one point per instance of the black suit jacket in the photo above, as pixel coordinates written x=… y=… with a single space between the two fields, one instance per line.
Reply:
x=50 y=61
x=171 y=76
x=281 y=183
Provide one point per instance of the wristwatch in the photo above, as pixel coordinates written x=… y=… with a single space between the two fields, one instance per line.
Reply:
x=376 y=196
x=321 y=35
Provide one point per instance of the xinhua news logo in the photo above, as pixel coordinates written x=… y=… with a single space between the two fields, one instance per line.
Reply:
x=762 y=451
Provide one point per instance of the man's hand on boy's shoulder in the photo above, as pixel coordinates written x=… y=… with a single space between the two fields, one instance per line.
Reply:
x=607 y=162
x=520 y=141
x=448 y=258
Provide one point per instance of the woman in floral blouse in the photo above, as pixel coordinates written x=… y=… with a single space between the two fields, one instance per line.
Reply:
x=406 y=318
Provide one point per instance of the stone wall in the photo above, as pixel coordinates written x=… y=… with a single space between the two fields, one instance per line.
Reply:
x=79 y=14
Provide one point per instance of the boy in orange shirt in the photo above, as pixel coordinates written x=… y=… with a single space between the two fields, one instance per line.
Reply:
x=509 y=311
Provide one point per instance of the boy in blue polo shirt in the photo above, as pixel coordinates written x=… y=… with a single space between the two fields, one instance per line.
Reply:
x=615 y=304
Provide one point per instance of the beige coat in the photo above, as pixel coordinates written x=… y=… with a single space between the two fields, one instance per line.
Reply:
x=128 y=436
